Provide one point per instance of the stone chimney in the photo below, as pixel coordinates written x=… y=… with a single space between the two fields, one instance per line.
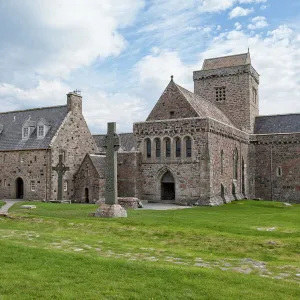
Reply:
x=74 y=100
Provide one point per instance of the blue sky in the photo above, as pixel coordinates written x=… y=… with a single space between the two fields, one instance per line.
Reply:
x=121 y=54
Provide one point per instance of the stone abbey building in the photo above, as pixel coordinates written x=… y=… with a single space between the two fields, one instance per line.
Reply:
x=208 y=147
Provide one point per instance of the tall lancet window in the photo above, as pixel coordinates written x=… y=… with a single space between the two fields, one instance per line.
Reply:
x=235 y=163
x=178 y=147
x=148 y=148
x=168 y=147
x=157 y=148
x=222 y=162
x=188 y=147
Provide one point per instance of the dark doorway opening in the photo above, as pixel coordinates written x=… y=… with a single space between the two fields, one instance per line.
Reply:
x=19 y=188
x=86 y=194
x=223 y=193
x=167 y=187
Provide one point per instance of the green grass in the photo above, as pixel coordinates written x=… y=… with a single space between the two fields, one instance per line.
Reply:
x=57 y=252
x=2 y=203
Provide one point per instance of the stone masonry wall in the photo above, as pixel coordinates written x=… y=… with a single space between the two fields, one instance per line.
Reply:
x=239 y=106
x=76 y=140
x=30 y=166
x=171 y=101
x=89 y=178
x=129 y=174
x=272 y=152
x=191 y=174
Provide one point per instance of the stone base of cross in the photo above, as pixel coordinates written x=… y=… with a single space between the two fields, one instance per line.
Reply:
x=111 y=208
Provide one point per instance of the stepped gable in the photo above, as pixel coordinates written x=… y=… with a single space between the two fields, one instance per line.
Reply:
x=126 y=141
x=227 y=61
x=204 y=109
x=288 y=123
x=12 y=122
x=98 y=162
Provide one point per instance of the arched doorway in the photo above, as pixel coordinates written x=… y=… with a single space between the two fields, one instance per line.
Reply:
x=167 y=187
x=86 y=195
x=19 y=188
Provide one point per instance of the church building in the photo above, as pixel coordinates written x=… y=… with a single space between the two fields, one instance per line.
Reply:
x=206 y=147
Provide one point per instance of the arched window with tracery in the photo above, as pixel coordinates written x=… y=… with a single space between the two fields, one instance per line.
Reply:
x=188 y=147
x=178 y=147
x=148 y=148
x=157 y=148
x=235 y=163
x=222 y=162
x=168 y=147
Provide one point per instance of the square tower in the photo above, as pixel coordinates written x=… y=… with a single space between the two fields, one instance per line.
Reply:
x=231 y=83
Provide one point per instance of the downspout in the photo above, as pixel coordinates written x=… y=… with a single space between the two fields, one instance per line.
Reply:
x=271 y=168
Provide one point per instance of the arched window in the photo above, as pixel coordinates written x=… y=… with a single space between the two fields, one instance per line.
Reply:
x=188 y=147
x=168 y=147
x=235 y=163
x=157 y=148
x=178 y=147
x=222 y=162
x=148 y=148
x=279 y=171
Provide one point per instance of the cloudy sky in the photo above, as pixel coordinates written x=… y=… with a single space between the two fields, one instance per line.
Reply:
x=121 y=53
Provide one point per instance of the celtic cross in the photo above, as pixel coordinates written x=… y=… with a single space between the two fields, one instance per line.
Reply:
x=112 y=145
x=60 y=169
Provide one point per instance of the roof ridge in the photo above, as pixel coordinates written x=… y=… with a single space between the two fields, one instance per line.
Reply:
x=288 y=114
x=207 y=101
x=226 y=56
x=31 y=109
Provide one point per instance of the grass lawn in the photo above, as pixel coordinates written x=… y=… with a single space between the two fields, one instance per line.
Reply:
x=2 y=203
x=243 y=250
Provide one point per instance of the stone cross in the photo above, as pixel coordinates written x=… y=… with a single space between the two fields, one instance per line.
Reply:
x=60 y=170
x=112 y=145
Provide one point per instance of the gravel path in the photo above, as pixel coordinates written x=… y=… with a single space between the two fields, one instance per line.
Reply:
x=8 y=204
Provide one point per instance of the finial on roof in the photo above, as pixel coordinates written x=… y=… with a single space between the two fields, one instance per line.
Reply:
x=248 y=50
x=172 y=77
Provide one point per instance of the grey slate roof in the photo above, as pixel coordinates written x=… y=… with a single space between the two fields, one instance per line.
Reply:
x=277 y=124
x=226 y=61
x=11 y=136
x=126 y=141
x=99 y=163
x=203 y=107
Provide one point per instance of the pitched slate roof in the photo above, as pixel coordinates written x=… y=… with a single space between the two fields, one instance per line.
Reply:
x=277 y=124
x=203 y=107
x=99 y=163
x=226 y=61
x=126 y=141
x=11 y=136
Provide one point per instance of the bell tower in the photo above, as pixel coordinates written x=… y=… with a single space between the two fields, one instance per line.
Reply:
x=231 y=83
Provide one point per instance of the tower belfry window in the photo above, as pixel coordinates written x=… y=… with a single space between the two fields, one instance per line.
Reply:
x=220 y=93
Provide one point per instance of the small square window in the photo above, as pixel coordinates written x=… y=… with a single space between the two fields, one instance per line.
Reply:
x=65 y=186
x=32 y=186
x=172 y=114
x=25 y=132
x=41 y=131
x=220 y=93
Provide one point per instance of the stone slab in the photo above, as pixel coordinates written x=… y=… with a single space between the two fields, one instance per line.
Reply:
x=111 y=211
x=28 y=206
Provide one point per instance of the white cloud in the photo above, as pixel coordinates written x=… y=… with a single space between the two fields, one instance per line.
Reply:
x=240 y=12
x=213 y=6
x=57 y=37
x=238 y=26
x=258 y=22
